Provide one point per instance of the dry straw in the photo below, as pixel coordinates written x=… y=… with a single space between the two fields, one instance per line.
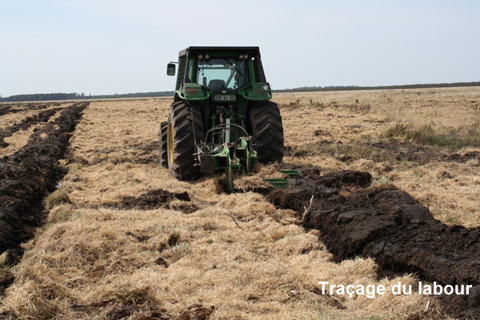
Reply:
x=235 y=252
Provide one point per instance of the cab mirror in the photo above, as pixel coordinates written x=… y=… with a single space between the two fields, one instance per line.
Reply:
x=171 y=69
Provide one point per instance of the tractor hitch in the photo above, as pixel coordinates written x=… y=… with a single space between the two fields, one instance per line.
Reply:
x=226 y=147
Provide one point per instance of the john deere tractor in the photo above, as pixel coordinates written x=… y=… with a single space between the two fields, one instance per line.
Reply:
x=221 y=118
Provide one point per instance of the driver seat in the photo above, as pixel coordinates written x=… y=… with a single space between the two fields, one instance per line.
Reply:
x=217 y=85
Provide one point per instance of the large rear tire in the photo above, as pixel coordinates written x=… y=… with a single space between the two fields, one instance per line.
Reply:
x=267 y=131
x=163 y=144
x=185 y=127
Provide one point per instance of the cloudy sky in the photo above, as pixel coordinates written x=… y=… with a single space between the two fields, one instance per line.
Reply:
x=123 y=46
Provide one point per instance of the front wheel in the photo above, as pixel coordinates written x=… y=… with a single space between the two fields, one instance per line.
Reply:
x=267 y=131
x=185 y=129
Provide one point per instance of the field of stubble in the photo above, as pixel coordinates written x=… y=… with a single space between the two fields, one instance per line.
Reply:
x=124 y=239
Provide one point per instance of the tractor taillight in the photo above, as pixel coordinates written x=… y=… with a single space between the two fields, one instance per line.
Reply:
x=191 y=91
x=259 y=91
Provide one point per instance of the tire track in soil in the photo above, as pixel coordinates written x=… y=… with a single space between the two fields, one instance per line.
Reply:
x=391 y=227
x=28 y=175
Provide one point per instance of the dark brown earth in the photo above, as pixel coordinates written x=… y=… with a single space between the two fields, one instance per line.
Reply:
x=43 y=116
x=14 y=108
x=391 y=227
x=29 y=174
x=150 y=200
x=391 y=152
x=132 y=304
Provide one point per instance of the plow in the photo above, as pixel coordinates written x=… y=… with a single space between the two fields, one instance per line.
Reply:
x=227 y=147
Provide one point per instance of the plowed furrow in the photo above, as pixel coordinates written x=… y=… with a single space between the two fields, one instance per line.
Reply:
x=29 y=174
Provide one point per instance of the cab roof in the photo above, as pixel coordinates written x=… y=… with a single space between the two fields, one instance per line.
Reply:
x=256 y=50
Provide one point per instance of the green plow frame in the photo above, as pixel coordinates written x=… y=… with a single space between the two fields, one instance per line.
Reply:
x=287 y=182
x=230 y=149
x=233 y=152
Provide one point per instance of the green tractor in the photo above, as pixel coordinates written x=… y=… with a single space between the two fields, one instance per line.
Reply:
x=221 y=118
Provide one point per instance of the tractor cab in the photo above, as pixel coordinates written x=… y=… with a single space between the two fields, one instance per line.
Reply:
x=207 y=70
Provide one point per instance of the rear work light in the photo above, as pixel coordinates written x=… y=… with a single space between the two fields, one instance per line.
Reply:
x=201 y=57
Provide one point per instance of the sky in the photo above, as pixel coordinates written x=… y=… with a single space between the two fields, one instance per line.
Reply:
x=123 y=46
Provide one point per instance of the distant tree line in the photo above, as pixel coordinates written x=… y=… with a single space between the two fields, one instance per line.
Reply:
x=41 y=97
x=76 y=96
x=408 y=86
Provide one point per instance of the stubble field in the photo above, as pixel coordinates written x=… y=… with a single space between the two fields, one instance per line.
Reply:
x=124 y=239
